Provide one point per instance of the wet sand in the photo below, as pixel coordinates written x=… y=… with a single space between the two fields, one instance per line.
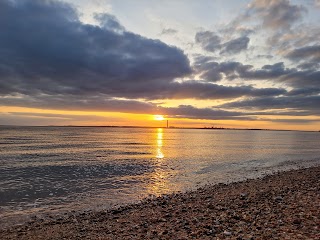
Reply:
x=281 y=206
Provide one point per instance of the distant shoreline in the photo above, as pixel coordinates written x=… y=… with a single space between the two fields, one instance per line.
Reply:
x=278 y=206
x=151 y=127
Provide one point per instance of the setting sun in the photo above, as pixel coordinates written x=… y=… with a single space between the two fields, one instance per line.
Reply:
x=158 y=117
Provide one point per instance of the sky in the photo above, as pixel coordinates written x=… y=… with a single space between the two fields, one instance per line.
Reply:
x=223 y=63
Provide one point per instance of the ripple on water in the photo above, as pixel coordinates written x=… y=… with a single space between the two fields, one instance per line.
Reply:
x=53 y=170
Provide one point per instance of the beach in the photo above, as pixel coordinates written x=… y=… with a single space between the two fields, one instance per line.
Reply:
x=159 y=119
x=285 y=205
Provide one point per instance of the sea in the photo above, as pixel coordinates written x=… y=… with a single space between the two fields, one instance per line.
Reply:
x=49 y=171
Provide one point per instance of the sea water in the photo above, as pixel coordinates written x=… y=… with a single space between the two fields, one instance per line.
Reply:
x=54 y=170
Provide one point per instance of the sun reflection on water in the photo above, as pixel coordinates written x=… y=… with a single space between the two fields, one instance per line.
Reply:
x=160 y=154
x=159 y=178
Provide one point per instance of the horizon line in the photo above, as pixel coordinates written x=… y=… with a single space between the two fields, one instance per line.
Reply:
x=170 y=127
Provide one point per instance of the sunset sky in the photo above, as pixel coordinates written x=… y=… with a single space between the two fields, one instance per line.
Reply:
x=199 y=63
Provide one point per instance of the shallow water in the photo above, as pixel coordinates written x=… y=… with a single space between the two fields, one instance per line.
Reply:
x=60 y=169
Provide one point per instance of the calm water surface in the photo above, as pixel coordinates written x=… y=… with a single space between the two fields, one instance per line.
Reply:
x=59 y=169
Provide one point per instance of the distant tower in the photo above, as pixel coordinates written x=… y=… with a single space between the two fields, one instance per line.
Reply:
x=167 y=123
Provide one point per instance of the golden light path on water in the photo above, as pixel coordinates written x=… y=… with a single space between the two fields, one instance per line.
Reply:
x=160 y=183
x=159 y=143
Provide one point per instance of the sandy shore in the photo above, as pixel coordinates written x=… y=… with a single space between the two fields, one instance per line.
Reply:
x=282 y=206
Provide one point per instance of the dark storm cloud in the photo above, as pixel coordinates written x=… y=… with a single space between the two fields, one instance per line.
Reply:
x=212 y=42
x=46 y=49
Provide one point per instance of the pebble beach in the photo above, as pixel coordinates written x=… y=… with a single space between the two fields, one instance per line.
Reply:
x=285 y=205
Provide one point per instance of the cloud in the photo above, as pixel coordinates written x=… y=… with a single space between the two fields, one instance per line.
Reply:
x=295 y=121
x=309 y=66
x=40 y=119
x=58 y=116
x=185 y=90
x=168 y=31
x=279 y=22
x=214 y=71
x=109 y=22
x=310 y=103
x=203 y=90
x=267 y=56
x=306 y=91
x=182 y=111
x=236 y=45
x=187 y=111
x=300 y=36
x=74 y=103
x=276 y=14
x=311 y=53
x=51 y=60
x=45 y=49
x=211 y=42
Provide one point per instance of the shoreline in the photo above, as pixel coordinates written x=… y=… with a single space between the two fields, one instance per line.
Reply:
x=278 y=206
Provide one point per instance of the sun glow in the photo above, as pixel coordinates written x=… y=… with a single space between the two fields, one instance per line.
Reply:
x=158 y=117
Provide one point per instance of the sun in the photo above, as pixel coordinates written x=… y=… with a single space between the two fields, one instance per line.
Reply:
x=158 y=117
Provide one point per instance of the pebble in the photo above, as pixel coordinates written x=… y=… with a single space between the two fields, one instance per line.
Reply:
x=220 y=211
x=243 y=195
x=278 y=198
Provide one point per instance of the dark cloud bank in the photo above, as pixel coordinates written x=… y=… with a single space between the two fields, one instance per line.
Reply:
x=49 y=59
x=44 y=48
